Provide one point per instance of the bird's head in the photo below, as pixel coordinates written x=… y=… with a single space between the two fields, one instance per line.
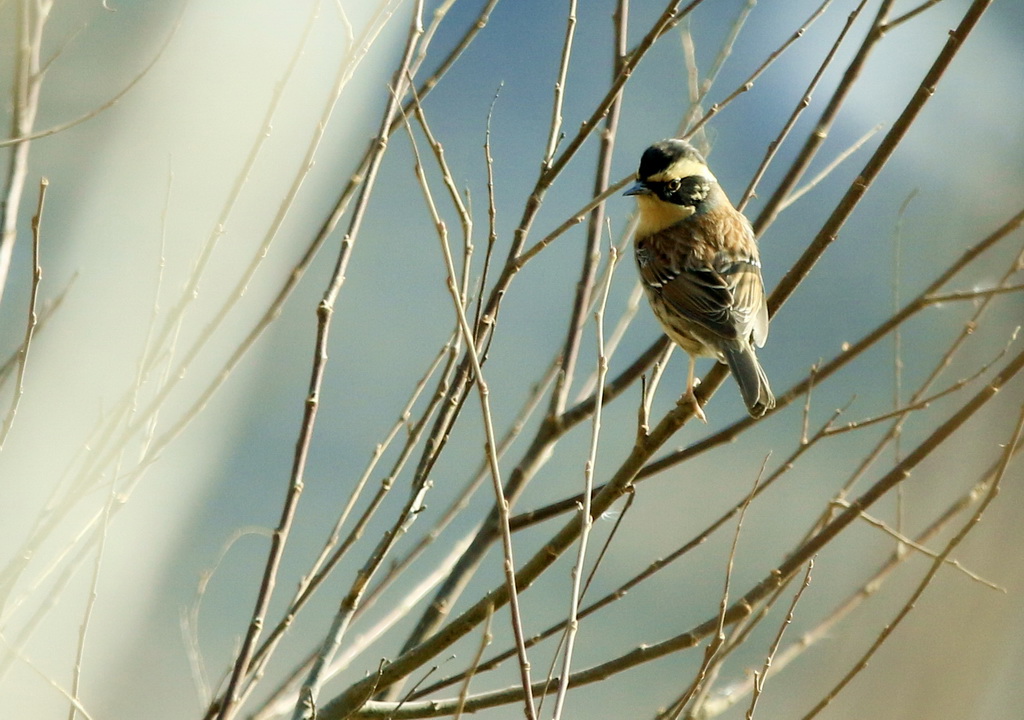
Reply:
x=673 y=182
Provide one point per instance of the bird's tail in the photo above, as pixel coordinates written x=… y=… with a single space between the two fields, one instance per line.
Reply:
x=757 y=394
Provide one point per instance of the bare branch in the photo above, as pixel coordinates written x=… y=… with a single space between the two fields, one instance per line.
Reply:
x=491 y=445
x=936 y=565
x=555 y=133
x=361 y=708
x=33 y=318
x=324 y=315
x=913 y=544
x=759 y=678
x=588 y=487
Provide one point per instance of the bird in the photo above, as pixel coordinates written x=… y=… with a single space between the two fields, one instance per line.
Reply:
x=700 y=268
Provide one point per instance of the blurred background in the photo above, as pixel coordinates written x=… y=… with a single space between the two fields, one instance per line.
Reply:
x=136 y=191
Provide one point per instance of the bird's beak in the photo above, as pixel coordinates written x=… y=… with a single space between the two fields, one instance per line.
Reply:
x=638 y=188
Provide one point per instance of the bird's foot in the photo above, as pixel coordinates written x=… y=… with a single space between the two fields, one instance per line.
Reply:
x=689 y=397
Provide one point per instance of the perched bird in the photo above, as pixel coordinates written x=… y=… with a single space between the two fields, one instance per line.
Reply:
x=700 y=268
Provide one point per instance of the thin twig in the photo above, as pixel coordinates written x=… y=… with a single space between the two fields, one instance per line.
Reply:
x=24 y=103
x=333 y=553
x=967 y=330
x=825 y=629
x=339 y=625
x=618 y=332
x=738 y=610
x=971 y=294
x=924 y=550
x=595 y=228
x=33 y=318
x=324 y=314
x=492 y=211
x=577 y=217
x=485 y=640
x=748 y=84
x=925 y=91
x=588 y=487
x=48 y=310
x=326 y=560
x=284 y=697
x=559 y=627
x=897 y=341
x=555 y=132
x=829 y=169
x=910 y=14
x=93 y=597
x=491 y=445
x=538 y=451
x=923 y=402
x=461 y=500
x=29 y=76
x=190 y=617
x=760 y=678
x=711 y=652
x=827 y=119
x=775 y=145
x=17 y=652
x=114 y=100
x=937 y=563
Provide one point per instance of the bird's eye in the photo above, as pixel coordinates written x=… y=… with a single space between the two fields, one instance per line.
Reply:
x=673 y=185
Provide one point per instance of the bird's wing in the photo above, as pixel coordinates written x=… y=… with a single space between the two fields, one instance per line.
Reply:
x=722 y=293
x=750 y=313
x=697 y=292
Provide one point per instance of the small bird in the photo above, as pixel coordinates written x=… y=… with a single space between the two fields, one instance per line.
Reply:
x=700 y=269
